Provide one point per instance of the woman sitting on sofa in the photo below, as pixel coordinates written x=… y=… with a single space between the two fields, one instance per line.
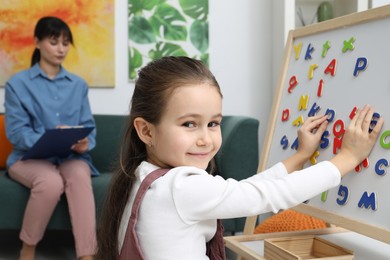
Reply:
x=42 y=97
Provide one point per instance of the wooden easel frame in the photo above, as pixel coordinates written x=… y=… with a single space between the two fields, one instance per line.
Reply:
x=345 y=21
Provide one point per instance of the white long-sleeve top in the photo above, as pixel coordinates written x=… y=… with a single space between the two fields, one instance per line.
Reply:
x=178 y=213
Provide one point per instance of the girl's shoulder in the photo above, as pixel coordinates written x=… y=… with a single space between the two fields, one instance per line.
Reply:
x=189 y=170
x=145 y=168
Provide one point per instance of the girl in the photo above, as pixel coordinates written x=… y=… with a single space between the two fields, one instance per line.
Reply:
x=42 y=97
x=175 y=124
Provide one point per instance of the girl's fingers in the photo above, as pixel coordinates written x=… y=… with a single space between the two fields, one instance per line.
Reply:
x=354 y=119
x=360 y=116
x=322 y=127
x=314 y=122
x=367 y=120
x=377 y=128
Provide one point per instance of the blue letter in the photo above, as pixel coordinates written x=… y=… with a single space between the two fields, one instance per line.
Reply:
x=368 y=201
x=344 y=193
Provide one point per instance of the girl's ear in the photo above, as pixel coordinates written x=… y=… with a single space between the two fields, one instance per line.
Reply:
x=144 y=130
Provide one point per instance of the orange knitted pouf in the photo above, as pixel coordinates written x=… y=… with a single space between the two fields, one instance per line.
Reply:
x=289 y=220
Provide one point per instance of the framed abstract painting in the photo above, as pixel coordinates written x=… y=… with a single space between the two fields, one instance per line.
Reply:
x=92 y=25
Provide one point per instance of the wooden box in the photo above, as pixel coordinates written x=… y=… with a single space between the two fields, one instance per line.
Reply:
x=303 y=247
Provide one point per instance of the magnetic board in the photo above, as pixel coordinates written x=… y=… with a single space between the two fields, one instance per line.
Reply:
x=333 y=67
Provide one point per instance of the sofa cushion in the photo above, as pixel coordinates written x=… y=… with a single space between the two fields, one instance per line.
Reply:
x=14 y=197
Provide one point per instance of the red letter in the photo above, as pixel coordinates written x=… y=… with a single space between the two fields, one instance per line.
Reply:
x=331 y=68
x=293 y=83
x=353 y=113
x=320 y=86
x=337 y=142
x=338 y=128
x=285 y=115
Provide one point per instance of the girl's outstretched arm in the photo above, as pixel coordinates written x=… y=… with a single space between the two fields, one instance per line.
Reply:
x=358 y=141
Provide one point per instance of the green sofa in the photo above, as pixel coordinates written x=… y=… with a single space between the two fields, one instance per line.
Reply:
x=238 y=159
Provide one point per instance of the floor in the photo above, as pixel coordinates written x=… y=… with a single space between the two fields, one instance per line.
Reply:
x=56 y=245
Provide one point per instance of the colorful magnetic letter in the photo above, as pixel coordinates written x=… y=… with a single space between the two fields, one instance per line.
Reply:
x=324 y=196
x=325 y=49
x=331 y=68
x=378 y=166
x=313 y=158
x=338 y=131
x=284 y=142
x=303 y=101
x=308 y=52
x=297 y=49
x=295 y=144
x=320 y=87
x=285 y=114
x=348 y=45
x=314 y=109
x=311 y=70
x=337 y=142
x=368 y=201
x=293 y=82
x=353 y=113
x=324 y=140
x=374 y=121
x=383 y=140
x=338 y=128
x=298 y=121
x=361 y=65
x=365 y=163
x=331 y=114
x=343 y=193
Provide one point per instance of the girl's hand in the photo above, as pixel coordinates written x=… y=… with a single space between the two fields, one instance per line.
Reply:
x=309 y=137
x=81 y=146
x=357 y=141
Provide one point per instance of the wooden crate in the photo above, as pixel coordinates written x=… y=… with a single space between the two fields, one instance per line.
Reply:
x=304 y=247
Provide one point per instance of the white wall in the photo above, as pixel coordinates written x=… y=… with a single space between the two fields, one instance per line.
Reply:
x=240 y=58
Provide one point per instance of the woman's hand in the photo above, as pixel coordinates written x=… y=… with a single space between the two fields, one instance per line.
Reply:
x=358 y=141
x=81 y=146
x=309 y=137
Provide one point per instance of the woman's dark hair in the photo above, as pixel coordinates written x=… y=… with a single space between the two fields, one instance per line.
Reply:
x=153 y=87
x=47 y=27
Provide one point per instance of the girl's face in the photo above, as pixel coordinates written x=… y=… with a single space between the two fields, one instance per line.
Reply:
x=189 y=133
x=53 y=49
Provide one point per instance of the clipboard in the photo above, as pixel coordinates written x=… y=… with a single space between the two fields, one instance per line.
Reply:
x=57 y=142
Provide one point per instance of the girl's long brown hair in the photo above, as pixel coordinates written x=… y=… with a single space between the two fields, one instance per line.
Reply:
x=156 y=81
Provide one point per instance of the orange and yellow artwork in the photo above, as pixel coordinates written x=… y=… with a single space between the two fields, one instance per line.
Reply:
x=92 y=24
